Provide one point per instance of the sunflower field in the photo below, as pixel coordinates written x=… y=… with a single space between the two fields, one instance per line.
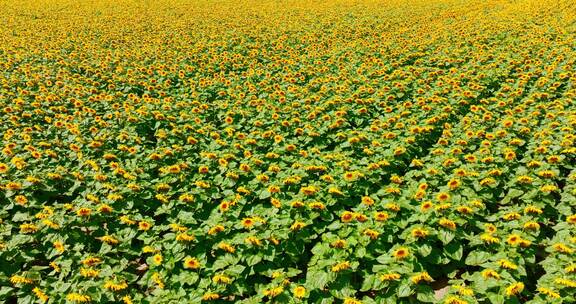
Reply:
x=288 y=151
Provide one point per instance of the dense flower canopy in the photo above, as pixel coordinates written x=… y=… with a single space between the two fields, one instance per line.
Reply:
x=340 y=151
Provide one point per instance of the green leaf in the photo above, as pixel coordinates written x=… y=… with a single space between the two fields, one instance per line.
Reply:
x=188 y=278
x=20 y=217
x=446 y=236
x=496 y=298
x=317 y=279
x=454 y=250
x=477 y=257
x=264 y=194
x=5 y=290
x=368 y=283
x=405 y=289
x=512 y=193
x=425 y=294
x=224 y=261
x=253 y=260
x=236 y=269
x=25 y=300
x=385 y=259
x=425 y=250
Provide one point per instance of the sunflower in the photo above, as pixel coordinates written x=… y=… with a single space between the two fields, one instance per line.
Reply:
x=78 y=298
x=421 y=277
x=401 y=253
x=443 y=197
x=514 y=289
x=191 y=263
x=299 y=292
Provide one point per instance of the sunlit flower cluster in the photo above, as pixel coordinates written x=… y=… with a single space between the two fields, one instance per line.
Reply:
x=251 y=151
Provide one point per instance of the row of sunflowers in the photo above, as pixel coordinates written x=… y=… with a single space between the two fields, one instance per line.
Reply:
x=365 y=151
